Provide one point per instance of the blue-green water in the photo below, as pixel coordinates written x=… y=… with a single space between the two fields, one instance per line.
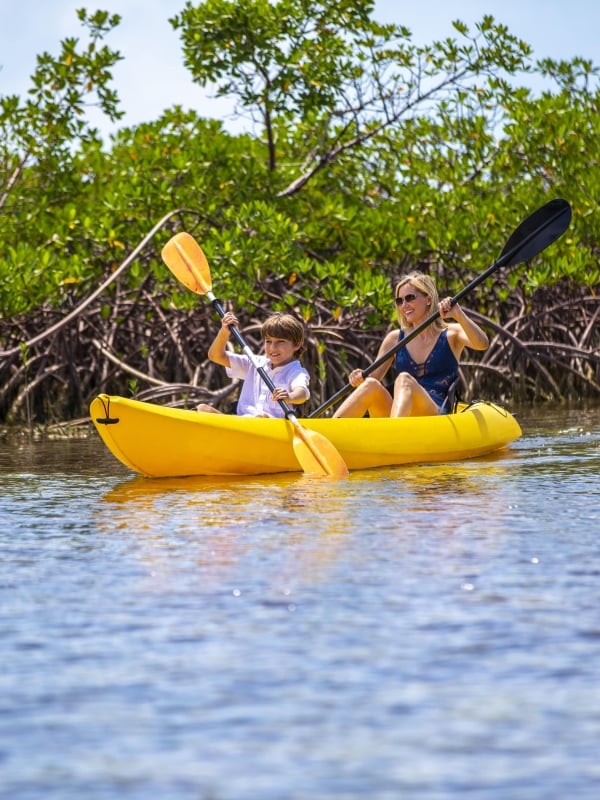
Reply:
x=425 y=632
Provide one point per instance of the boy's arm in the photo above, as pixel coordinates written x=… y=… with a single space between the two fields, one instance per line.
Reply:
x=217 y=352
x=297 y=394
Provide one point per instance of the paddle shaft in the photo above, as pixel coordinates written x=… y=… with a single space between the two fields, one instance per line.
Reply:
x=315 y=453
x=509 y=256
x=248 y=352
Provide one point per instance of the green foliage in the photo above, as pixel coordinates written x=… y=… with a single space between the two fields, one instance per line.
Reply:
x=285 y=59
x=370 y=156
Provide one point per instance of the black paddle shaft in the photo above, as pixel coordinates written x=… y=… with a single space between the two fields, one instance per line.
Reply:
x=261 y=370
x=532 y=236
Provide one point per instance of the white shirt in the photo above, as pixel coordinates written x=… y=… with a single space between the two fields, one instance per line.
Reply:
x=255 y=397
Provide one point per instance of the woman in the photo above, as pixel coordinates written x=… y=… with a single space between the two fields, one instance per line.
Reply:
x=427 y=366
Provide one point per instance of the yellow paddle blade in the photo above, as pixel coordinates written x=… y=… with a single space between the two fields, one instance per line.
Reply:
x=316 y=454
x=184 y=257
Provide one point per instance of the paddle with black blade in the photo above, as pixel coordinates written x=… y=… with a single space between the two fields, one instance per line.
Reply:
x=532 y=236
x=315 y=453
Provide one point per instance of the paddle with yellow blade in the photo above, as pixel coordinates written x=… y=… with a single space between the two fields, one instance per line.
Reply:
x=532 y=236
x=315 y=453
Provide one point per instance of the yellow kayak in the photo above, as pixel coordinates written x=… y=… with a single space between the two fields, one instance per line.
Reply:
x=158 y=441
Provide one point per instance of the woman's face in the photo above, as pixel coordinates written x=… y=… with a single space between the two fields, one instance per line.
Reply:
x=411 y=302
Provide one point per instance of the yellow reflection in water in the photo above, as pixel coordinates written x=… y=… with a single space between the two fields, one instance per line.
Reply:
x=221 y=521
x=297 y=527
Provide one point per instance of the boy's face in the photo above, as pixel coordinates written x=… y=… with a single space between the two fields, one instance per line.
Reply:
x=280 y=351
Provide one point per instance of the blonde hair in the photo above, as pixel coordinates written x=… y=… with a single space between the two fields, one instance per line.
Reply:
x=425 y=285
x=284 y=326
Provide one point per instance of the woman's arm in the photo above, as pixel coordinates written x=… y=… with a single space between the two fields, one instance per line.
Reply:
x=465 y=333
x=356 y=377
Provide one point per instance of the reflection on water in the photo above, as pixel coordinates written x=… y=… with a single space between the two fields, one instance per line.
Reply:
x=306 y=520
x=221 y=520
x=81 y=454
x=428 y=631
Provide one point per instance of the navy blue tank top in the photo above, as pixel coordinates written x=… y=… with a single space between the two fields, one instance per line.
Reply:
x=436 y=374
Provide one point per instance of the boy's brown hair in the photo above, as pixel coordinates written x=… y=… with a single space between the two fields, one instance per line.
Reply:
x=284 y=326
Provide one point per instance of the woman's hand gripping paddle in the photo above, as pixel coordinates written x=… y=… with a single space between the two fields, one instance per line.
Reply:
x=316 y=454
x=532 y=236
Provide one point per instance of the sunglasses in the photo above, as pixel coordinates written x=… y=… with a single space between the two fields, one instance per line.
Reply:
x=408 y=298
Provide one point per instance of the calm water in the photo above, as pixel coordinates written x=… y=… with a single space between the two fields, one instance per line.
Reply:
x=426 y=632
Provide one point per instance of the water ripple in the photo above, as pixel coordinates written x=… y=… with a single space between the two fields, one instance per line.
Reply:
x=427 y=632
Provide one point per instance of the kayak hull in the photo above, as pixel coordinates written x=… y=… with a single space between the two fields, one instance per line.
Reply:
x=158 y=441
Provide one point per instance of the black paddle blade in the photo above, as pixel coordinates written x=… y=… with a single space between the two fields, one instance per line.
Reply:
x=535 y=233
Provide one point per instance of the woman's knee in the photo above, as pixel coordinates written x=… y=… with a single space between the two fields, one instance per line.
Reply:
x=373 y=391
x=405 y=381
x=371 y=384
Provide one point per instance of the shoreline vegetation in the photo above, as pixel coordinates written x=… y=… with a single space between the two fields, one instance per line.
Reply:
x=369 y=156
x=546 y=349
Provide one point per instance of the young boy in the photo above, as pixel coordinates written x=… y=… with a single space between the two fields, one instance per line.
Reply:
x=283 y=337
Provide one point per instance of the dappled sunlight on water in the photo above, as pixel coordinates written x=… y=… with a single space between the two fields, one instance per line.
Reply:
x=428 y=631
